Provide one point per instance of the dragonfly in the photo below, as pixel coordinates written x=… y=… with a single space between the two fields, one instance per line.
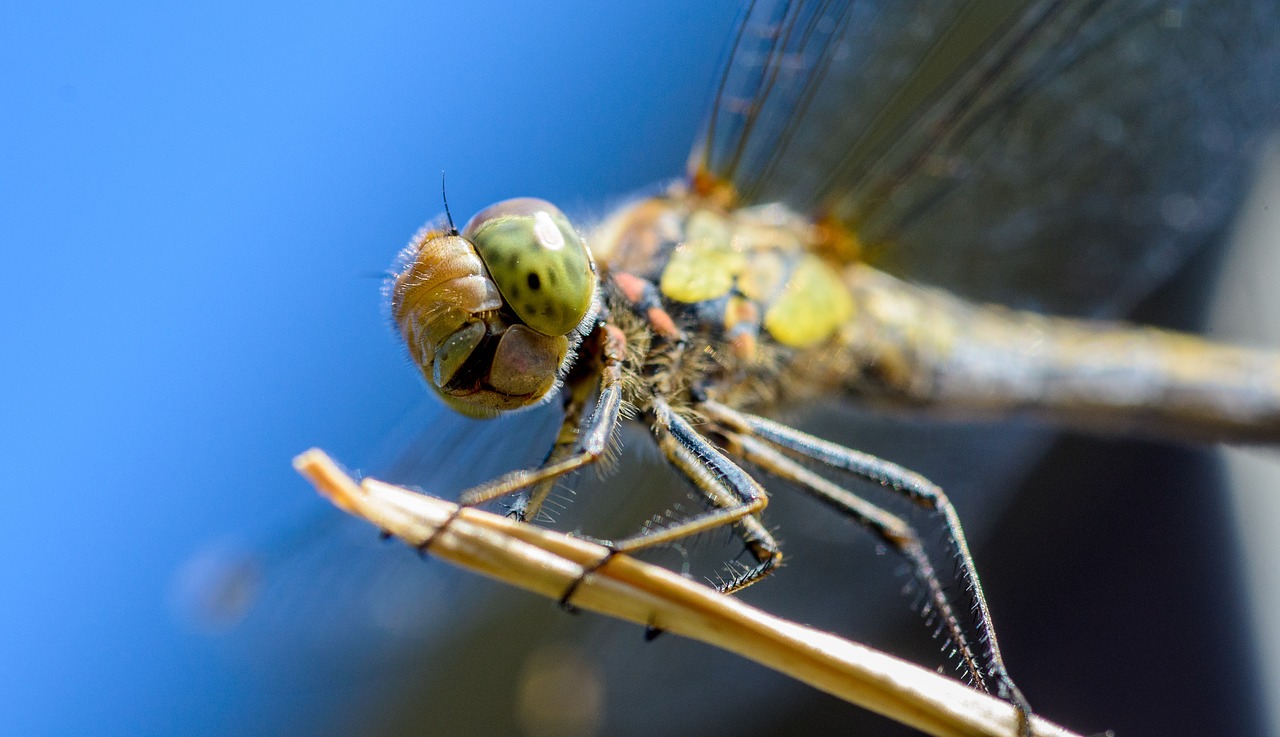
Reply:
x=798 y=261
x=748 y=285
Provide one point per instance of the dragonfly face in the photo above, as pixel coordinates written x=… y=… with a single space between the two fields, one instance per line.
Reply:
x=490 y=315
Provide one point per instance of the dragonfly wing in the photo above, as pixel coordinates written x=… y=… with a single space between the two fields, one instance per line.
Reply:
x=1062 y=156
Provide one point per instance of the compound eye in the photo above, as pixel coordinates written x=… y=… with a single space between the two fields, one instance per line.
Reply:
x=540 y=265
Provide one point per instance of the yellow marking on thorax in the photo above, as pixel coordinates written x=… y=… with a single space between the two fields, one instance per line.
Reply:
x=706 y=265
x=813 y=305
x=766 y=254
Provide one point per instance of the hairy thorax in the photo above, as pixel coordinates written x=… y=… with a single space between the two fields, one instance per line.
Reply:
x=749 y=290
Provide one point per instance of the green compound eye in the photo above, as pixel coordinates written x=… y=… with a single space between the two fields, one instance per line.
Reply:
x=540 y=265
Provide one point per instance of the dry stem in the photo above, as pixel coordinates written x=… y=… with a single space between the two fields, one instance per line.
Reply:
x=549 y=563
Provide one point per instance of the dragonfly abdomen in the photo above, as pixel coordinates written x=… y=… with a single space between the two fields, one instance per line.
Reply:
x=921 y=347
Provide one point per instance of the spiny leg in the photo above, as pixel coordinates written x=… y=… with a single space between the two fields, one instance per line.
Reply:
x=914 y=487
x=592 y=444
x=889 y=528
x=528 y=502
x=735 y=495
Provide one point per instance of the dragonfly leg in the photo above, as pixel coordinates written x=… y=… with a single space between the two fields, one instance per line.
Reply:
x=892 y=530
x=748 y=430
x=528 y=501
x=734 y=495
x=592 y=443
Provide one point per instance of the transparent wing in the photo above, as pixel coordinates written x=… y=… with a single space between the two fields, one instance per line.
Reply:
x=1064 y=156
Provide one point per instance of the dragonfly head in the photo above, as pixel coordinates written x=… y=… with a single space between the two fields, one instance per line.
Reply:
x=491 y=314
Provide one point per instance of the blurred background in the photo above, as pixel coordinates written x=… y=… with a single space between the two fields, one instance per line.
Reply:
x=198 y=202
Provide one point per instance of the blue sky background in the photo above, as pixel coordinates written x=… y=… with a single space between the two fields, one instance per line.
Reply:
x=194 y=197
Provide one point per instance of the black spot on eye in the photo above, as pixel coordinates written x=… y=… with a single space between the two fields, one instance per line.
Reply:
x=529 y=308
x=535 y=282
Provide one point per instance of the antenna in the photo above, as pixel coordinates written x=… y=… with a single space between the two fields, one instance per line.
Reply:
x=453 y=229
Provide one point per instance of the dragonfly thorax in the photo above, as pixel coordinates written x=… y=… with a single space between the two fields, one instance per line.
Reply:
x=491 y=315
